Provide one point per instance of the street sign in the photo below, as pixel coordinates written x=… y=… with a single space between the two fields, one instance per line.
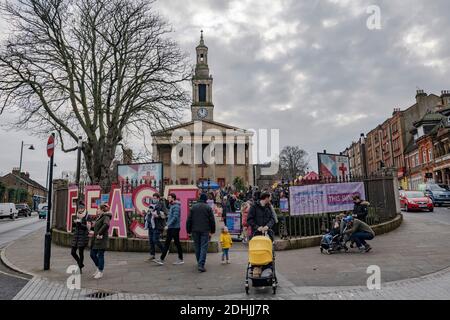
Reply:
x=50 y=146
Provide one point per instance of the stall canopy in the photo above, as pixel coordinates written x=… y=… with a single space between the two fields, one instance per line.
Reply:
x=212 y=185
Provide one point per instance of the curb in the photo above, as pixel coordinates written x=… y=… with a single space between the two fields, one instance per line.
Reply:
x=11 y=266
x=314 y=241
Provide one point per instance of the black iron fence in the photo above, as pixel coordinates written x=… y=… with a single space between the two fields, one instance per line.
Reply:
x=380 y=193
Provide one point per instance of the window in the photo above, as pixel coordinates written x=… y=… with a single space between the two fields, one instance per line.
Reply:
x=184 y=181
x=417 y=160
x=430 y=155
x=202 y=57
x=424 y=156
x=202 y=92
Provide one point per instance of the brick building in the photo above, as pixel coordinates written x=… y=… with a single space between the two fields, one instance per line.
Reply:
x=16 y=181
x=391 y=144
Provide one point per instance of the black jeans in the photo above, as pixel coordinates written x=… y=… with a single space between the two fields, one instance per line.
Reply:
x=153 y=238
x=80 y=257
x=175 y=235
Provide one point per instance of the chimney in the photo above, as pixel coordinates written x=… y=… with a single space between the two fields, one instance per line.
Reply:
x=420 y=95
x=445 y=96
x=16 y=172
x=27 y=175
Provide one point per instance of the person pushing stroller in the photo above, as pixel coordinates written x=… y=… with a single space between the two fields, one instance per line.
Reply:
x=260 y=217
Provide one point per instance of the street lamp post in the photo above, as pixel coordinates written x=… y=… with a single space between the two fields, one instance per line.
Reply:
x=31 y=147
x=78 y=174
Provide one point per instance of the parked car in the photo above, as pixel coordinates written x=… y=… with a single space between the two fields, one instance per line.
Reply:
x=23 y=210
x=43 y=212
x=438 y=195
x=415 y=200
x=8 y=210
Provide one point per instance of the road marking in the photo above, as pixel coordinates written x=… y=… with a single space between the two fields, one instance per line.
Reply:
x=14 y=276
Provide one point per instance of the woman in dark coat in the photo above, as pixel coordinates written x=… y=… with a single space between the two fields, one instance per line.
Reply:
x=80 y=236
x=100 y=239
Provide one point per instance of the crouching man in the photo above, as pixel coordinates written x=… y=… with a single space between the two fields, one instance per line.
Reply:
x=359 y=232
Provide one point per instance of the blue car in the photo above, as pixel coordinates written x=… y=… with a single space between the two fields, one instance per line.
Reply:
x=439 y=195
x=43 y=213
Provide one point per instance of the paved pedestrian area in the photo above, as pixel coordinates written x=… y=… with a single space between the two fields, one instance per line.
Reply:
x=413 y=260
x=432 y=287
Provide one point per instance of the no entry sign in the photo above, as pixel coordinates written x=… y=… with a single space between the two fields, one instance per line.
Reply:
x=50 y=146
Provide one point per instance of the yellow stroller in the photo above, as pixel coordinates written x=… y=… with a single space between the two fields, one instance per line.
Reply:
x=261 y=264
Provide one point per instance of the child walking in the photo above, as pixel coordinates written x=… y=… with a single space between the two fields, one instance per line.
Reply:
x=226 y=243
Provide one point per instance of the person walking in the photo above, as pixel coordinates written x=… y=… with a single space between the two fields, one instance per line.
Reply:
x=155 y=223
x=80 y=238
x=201 y=224
x=173 y=231
x=225 y=242
x=100 y=239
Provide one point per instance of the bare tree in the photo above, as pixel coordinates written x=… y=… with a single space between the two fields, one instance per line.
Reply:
x=293 y=162
x=99 y=69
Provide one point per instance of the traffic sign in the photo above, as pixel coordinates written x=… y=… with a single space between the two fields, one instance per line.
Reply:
x=51 y=146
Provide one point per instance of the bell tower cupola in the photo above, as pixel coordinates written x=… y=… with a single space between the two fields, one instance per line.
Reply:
x=202 y=106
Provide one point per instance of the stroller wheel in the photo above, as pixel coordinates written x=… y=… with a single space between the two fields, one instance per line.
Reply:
x=321 y=250
x=274 y=290
x=247 y=290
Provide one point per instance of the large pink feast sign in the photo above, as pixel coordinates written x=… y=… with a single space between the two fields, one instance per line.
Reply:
x=141 y=198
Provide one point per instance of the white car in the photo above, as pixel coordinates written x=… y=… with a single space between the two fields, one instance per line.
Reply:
x=8 y=210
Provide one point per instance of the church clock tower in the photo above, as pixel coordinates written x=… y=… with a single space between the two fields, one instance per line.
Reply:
x=202 y=106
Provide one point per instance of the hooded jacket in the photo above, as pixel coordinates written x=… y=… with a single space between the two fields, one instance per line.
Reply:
x=101 y=228
x=173 y=221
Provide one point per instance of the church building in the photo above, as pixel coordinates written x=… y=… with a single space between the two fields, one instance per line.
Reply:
x=202 y=148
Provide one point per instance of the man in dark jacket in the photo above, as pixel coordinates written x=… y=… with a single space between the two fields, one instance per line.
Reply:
x=155 y=222
x=260 y=217
x=360 y=209
x=201 y=224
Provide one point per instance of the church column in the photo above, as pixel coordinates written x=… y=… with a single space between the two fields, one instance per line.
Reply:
x=173 y=169
x=250 y=162
x=155 y=154
x=193 y=167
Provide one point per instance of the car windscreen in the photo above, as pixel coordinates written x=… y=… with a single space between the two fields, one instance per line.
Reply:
x=435 y=187
x=415 y=195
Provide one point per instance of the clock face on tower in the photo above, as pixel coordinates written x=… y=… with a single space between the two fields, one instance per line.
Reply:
x=202 y=113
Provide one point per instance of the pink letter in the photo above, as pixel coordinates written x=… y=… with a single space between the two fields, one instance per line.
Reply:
x=71 y=206
x=91 y=193
x=118 y=214
x=141 y=201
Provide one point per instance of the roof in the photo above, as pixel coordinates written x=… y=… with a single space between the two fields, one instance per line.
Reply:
x=410 y=147
x=163 y=131
x=430 y=117
x=28 y=181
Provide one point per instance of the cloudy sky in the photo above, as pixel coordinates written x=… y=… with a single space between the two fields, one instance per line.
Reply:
x=310 y=68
